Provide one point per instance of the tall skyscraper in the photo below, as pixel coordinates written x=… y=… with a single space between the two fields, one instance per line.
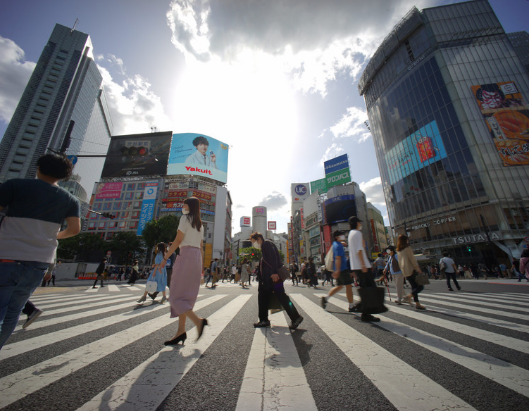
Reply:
x=64 y=96
x=447 y=99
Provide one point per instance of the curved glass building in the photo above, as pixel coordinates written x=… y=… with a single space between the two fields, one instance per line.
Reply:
x=447 y=101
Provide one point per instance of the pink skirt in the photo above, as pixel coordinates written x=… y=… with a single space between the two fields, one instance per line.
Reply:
x=185 y=281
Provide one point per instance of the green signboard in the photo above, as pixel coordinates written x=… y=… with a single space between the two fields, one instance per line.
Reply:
x=338 y=177
x=320 y=185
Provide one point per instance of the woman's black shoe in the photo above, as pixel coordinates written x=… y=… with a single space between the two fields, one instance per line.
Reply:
x=175 y=341
x=201 y=330
x=262 y=324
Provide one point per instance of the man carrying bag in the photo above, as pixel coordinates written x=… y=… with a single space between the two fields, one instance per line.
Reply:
x=371 y=295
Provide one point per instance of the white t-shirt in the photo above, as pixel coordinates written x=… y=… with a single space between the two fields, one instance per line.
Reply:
x=192 y=237
x=449 y=264
x=356 y=243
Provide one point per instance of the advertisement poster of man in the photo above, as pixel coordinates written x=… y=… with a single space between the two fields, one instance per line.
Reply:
x=137 y=155
x=507 y=118
x=198 y=154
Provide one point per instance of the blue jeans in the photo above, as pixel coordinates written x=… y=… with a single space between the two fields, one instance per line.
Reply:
x=18 y=280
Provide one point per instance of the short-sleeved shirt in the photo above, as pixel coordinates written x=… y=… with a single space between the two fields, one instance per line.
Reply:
x=339 y=251
x=449 y=264
x=356 y=244
x=36 y=211
x=192 y=236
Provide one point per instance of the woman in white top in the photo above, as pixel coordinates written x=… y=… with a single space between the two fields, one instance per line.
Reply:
x=187 y=270
x=245 y=273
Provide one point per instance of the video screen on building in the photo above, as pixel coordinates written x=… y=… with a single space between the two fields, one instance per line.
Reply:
x=199 y=155
x=339 y=209
x=418 y=150
x=137 y=155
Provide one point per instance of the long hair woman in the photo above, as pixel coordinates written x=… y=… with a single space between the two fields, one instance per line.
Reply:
x=158 y=274
x=409 y=267
x=187 y=270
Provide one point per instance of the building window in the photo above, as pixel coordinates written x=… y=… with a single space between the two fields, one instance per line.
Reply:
x=122 y=224
x=91 y=226
x=129 y=196
x=117 y=205
x=112 y=224
x=133 y=224
x=107 y=206
x=130 y=187
x=101 y=225
x=137 y=204
x=136 y=214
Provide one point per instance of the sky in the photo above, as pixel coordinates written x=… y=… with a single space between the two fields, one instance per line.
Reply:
x=276 y=80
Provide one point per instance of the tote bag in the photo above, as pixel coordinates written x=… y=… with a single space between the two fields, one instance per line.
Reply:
x=151 y=286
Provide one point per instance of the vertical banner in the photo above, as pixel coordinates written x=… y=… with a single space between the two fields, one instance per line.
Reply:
x=507 y=118
x=302 y=218
x=147 y=207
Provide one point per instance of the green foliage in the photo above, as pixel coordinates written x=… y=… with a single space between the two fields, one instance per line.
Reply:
x=81 y=246
x=162 y=230
x=247 y=253
x=128 y=245
x=282 y=255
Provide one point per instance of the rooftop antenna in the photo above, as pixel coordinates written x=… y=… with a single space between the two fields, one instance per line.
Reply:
x=74 y=26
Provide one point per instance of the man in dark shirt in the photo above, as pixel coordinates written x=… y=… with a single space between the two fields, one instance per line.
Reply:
x=36 y=211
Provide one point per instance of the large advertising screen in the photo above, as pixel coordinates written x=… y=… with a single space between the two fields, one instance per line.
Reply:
x=137 y=155
x=507 y=118
x=199 y=155
x=418 y=150
x=109 y=190
x=339 y=209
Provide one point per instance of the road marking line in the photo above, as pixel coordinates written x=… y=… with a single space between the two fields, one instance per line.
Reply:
x=17 y=385
x=486 y=299
x=133 y=287
x=113 y=288
x=281 y=382
x=147 y=386
x=92 y=290
x=517 y=300
x=392 y=376
x=21 y=347
x=72 y=303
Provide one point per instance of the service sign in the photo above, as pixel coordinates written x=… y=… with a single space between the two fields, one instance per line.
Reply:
x=336 y=164
x=199 y=155
x=338 y=177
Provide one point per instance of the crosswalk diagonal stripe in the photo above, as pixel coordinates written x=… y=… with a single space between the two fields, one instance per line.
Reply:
x=72 y=303
x=502 y=340
x=473 y=303
x=113 y=288
x=509 y=298
x=454 y=302
x=392 y=376
x=133 y=287
x=56 y=297
x=274 y=376
x=31 y=379
x=20 y=347
x=163 y=370
x=486 y=299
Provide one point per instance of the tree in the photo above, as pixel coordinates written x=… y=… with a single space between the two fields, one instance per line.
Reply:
x=128 y=245
x=81 y=246
x=162 y=230
x=251 y=253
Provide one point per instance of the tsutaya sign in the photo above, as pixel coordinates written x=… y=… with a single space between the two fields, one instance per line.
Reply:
x=476 y=238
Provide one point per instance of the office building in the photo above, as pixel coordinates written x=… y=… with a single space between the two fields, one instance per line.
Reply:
x=64 y=97
x=446 y=96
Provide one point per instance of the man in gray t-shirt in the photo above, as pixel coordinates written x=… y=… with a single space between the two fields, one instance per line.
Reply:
x=450 y=269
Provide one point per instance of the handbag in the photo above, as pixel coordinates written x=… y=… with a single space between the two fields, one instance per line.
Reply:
x=282 y=271
x=422 y=279
x=151 y=286
x=372 y=300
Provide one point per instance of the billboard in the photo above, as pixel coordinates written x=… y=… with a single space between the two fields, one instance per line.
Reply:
x=199 y=155
x=147 y=206
x=245 y=222
x=109 y=190
x=137 y=155
x=318 y=185
x=272 y=225
x=339 y=209
x=336 y=164
x=418 y=150
x=507 y=119
x=299 y=192
x=337 y=178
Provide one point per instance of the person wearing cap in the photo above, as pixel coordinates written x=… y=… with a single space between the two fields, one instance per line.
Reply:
x=341 y=271
x=393 y=268
x=360 y=264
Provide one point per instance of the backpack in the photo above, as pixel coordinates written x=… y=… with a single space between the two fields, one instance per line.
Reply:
x=329 y=260
x=442 y=266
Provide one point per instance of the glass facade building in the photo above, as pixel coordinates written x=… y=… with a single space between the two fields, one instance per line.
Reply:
x=64 y=90
x=446 y=96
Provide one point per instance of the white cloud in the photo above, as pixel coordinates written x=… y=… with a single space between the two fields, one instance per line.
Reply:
x=274 y=201
x=333 y=151
x=312 y=39
x=352 y=125
x=373 y=191
x=14 y=75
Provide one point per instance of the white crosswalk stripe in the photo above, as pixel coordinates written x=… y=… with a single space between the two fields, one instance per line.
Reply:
x=469 y=330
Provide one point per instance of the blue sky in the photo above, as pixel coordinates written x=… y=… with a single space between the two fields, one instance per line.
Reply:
x=275 y=80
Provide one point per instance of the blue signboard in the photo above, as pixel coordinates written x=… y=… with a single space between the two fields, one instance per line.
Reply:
x=147 y=206
x=418 y=150
x=335 y=164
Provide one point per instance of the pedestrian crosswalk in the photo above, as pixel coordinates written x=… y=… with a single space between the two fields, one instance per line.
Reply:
x=94 y=351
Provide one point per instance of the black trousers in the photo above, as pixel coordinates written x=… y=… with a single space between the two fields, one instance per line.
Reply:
x=453 y=277
x=415 y=288
x=264 y=295
x=28 y=308
x=95 y=282
x=365 y=280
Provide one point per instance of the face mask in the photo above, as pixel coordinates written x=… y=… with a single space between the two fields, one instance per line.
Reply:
x=185 y=212
x=360 y=227
x=256 y=245
x=388 y=251
x=341 y=238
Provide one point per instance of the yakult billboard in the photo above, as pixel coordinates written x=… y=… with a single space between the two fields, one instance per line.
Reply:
x=199 y=155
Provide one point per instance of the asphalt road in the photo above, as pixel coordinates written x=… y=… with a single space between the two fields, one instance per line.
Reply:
x=97 y=349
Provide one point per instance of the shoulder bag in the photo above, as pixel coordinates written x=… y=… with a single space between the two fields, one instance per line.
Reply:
x=421 y=278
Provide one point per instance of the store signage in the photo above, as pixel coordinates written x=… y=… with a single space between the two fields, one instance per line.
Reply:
x=245 y=221
x=438 y=221
x=337 y=178
x=109 y=190
x=147 y=207
x=272 y=225
x=201 y=195
x=259 y=210
x=476 y=238
x=299 y=192
x=318 y=185
x=336 y=164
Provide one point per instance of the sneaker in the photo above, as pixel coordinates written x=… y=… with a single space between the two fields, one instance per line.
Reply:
x=262 y=324
x=354 y=308
x=450 y=289
x=295 y=324
x=324 y=302
x=398 y=302
x=32 y=317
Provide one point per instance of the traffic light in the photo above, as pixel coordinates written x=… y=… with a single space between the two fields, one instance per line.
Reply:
x=469 y=249
x=108 y=215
